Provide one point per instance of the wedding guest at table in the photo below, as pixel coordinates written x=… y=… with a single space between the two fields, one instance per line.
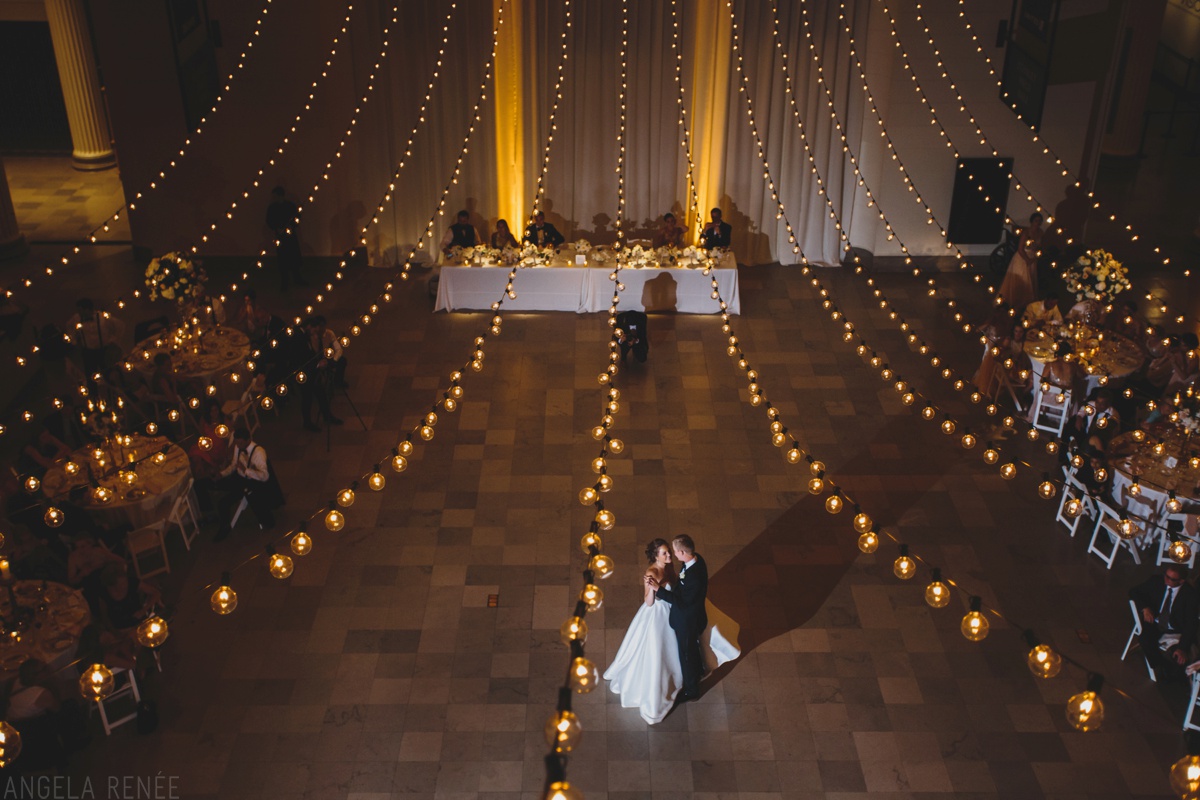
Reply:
x=1020 y=283
x=1126 y=321
x=502 y=237
x=1087 y=427
x=1087 y=311
x=1169 y=607
x=1185 y=364
x=461 y=234
x=717 y=233
x=1020 y=370
x=249 y=475
x=125 y=601
x=207 y=308
x=251 y=317
x=283 y=218
x=543 y=233
x=1160 y=417
x=1096 y=464
x=1043 y=312
x=96 y=334
x=669 y=233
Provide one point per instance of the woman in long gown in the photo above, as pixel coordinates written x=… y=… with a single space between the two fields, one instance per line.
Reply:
x=1019 y=288
x=646 y=671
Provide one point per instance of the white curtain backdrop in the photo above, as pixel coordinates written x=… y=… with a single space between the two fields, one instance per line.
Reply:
x=581 y=186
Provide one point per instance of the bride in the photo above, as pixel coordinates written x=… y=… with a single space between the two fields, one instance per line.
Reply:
x=646 y=672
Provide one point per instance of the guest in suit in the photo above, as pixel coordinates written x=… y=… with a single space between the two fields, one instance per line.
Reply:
x=1097 y=428
x=688 y=615
x=248 y=475
x=461 y=234
x=543 y=233
x=716 y=233
x=1168 y=606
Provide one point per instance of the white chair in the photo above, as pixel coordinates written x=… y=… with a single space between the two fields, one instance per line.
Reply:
x=1133 y=635
x=1167 y=532
x=1107 y=521
x=1051 y=409
x=1074 y=490
x=1000 y=381
x=128 y=689
x=144 y=542
x=183 y=516
x=1188 y=725
x=237 y=514
x=243 y=410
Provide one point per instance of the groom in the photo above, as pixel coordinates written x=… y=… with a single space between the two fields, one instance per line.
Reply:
x=688 y=617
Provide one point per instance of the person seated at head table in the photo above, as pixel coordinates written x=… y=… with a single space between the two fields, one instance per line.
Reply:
x=461 y=234
x=1126 y=321
x=717 y=233
x=542 y=233
x=503 y=237
x=669 y=233
x=1043 y=312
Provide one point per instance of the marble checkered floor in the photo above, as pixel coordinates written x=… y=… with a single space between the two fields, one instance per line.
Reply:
x=56 y=203
x=378 y=670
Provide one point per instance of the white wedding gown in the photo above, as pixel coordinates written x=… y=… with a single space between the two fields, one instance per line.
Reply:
x=646 y=672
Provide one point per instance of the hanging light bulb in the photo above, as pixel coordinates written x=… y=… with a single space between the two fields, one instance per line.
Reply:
x=377 y=481
x=399 y=463
x=1052 y=447
x=1184 y=776
x=152 y=631
x=834 y=503
x=604 y=483
x=589 y=540
x=1126 y=529
x=302 y=543
x=426 y=433
x=54 y=517
x=1047 y=489
x=584 y=677
x=606 y=519
x=1180 y=551
x=588 y=495
x=990 y=455
x=794 y=454
x=1043 y=662
x=948 y=426
x=928 y=412
x=102 y=495
x=224 y=599
x=817 y=468
x=904 y=567
x=345 y=497
x=592 y=595
x=599 y=465
x=974 y=623
x=868 y=542
x=574 y=629
x=278 y=564
x=334 y=520
x=1085 y=711
x=96 y=682
x=1173 y=504
x=602 y=565
x=616 y=446
x=937 y=594
x=10 y=744
x=563 y=731
x=71 y=468
x=816 y=486
x=562 y=790
x=599 y=432
x=1008 y=471
x=968 y=439
x=862 y=522
x=1072 y=508
x=32 y=484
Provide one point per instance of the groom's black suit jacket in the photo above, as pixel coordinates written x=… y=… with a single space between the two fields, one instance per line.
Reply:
x=687 y=599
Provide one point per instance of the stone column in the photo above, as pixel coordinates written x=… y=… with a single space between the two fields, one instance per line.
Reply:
x=12 y=243
x=92 y=149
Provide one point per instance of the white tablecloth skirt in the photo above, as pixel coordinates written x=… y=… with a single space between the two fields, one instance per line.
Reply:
x=587 y=289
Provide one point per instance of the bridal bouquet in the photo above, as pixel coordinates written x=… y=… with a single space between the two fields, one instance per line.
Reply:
x=174 y=277
x=1096 y=275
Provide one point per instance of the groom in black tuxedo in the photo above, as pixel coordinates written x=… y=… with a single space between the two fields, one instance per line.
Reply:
x=688 y=617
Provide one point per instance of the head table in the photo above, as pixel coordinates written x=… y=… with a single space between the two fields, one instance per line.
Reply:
x=581 y=281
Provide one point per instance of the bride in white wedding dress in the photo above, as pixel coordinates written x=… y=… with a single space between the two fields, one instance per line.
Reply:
x=646 y=672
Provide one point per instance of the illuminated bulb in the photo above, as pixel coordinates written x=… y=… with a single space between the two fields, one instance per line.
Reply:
x=908 y=398
x=335 y=520
x=588 y=496
x=868 y=542
x=904 y=567
x=598 y=464
x=563 y=731
x=937 y=594
x=10 y=745
x=602 y=565
x=816 y=486
x=990 y=455
x=590 y=539
x=968 y=440
x=1073 y=508
x=1126 y=529
x=224 y=599
x=152 y=631
x=345 y=498
x=1184 y=777
x=1135 y=488
x=1043 y=662
x=834 y=503
x=399 y=463
x=1052 y=447
x=948 y=426
x=562 y=790
x=862 y=522
x=222 y=430
x=96 y=682
x=592 y=596
x=816 y=468
x=1046 y=489
x=431 y=419
x=1085 y=711
x=1180 y=551
x=616 y=446
x=575 y=629
x=974 y=624
x=426 y=433
x=377 y=480
x=1101 y=474
x=32 y=484
x=1008 y=471
x=54 y=517
x=779 y=439
x=584 y=677
x=599 y=432
x=606 y=519
x=405 y=448
x=302 y=543
x=1173 y=504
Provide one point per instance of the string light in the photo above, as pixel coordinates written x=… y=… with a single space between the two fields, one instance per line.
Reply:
x=1085 y=711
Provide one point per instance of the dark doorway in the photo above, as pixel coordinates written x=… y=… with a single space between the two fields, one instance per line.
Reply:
x=976 y=217
x=33 y=117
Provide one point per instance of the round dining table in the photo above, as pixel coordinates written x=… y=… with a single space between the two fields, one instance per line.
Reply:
x=162 y=476
x=1099 y=353
x=1164 y=462
x=54 y=617
x=205 y=358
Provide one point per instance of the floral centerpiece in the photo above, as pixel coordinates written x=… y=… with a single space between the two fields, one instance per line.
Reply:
x=175 y=277
x=532 y=255
x=1096 y=275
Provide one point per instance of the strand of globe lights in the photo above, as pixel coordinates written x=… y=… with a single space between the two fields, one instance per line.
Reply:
x=439 y=210
x=1037 y=138
x=22 y=360
x=290 y=135
x=412 y=134
x=686 y=141
x=563 y=729
x=227 y=84
x=96 y=683
x=983 y=139
x=552 y=126
x=1085 y=710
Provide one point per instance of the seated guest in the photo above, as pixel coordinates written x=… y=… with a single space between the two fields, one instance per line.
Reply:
x=460 y=234
x=1089 y=428
x=1185 y=364
x=1089 y=475
x=249 y=475
x=1159 y=417
x=503 y=237
x=124 y=603
x=1043 y=312
x=1168 y=606
x=669 y=233
x=1124 y=320
x=252 y=318
x=716 y=233
x=542 y=233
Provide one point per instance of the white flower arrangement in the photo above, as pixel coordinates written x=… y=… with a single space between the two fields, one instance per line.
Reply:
x=532 y=255
x=1096 y=275
x=175 y=277
x=1189 y=422
x=583 y=246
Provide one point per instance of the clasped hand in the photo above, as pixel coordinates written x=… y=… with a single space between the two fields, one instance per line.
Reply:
x=652 y=581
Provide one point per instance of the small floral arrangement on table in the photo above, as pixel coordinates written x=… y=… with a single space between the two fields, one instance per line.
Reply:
x=509 y=256
x=175 y=277
x=583 y=246
x=532 y=255
x=1096 y=275
x=1189 y=421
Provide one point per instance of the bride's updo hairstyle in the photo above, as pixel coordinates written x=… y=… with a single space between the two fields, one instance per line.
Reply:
x=652 y=549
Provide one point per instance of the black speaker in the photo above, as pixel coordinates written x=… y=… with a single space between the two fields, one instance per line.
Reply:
x=980 y=199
